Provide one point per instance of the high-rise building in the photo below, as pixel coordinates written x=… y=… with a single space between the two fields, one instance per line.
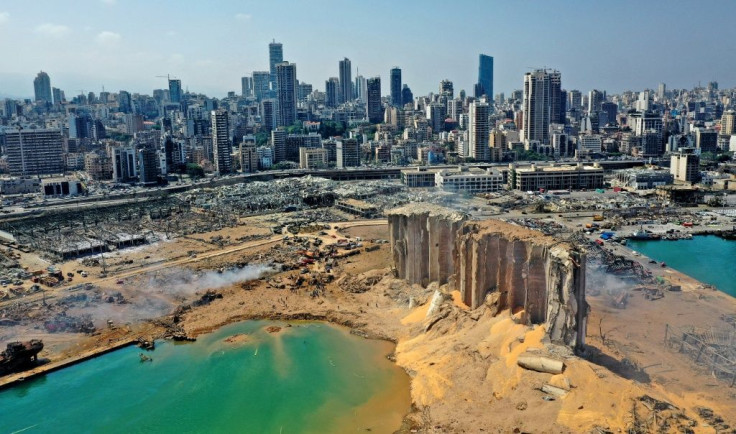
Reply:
x=275 y=56
x=485 y=76
x=685 y=165
x=446 y=89
x=346 y=81
x=728 y=123
x=361 y=89
x=347 y=153
x=125 y=103
x=611 y=110
x=248 y=154
x=303 y=91
x=595 y=99
x=148 y=166
x=331 y=92
x=175 y=91
x=406 y=96
x=42 y=87
x=455 y=109
x=574 y=99
x=396 y=99
x=285 y=94
x=124 y=166
x=260 y=84
x=34 y=152
x=268 y=114
x=557 y=105
x=478 y=130
x=661 y=91
x=278 y=143
x=541 y=104
x=374 y=110
x=246 y=86
x=58 y=95
x=222 y=151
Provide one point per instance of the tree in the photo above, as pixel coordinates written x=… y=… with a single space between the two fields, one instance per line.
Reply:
x=722 y=158
x=285 y=165
x=331 y=128
x=261 y=138
x=296 y=128
x=195 y=170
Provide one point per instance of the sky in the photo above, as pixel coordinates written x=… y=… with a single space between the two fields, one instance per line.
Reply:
x=126 y=44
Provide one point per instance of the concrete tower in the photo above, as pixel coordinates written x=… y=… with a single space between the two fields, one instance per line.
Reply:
x=396 y=86
x=42 y=87
x=285 y=94
x=346 y=81
x=275 y=56
x=221 y=142
x=479 y=130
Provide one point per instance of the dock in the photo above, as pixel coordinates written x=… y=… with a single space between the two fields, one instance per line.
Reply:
x=11 y=380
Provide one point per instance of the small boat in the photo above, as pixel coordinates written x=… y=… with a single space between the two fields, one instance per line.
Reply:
x=663 y=264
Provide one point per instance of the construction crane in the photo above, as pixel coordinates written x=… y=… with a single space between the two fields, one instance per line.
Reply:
x=167 y=77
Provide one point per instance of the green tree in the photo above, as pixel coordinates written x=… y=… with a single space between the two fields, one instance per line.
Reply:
x=261 y=138
x=195 y=170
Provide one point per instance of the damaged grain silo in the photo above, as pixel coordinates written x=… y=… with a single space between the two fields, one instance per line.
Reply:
x=423 y=241
x=519 y=269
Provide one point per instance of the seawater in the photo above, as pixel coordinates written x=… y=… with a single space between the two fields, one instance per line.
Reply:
x=707 y=258
x=308 y=378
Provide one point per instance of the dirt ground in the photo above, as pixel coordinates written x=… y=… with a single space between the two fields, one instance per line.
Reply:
x=463 y=367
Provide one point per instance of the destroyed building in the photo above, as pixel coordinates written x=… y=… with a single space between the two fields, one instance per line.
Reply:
x=536 y=276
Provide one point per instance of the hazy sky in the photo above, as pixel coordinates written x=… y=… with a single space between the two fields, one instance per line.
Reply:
x=209 y=45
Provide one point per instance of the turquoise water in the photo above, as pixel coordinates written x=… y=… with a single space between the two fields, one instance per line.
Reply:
x=707 y=258
x=309 y=378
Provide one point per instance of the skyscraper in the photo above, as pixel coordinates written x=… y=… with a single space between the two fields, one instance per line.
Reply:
x=406 y=96
x=246 y=86
x=361 y=88
x=447 y=89
x=346 y=81
x=125 y=102
x=331 y=92
x=541 y=103
x=260 y=84
x=728 y=123
x=58 y=98
x=175 y=91
x=275 y=56
x=574 y=99
x=373 y=105
x=595 y=99
x=268 y=114
x=42 y=87
x=478 y=130
x=485 y=76
x=396 y=86
x=221 y=142
x=285 y=94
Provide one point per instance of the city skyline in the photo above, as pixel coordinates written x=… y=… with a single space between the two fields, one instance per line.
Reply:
x=124 y=44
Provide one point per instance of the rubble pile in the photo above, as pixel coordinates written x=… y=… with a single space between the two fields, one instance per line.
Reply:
x=66 y=234
x=652 y=415
x=545 y=226
x=623 y=268
x=56 y=315
x=62 y=323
